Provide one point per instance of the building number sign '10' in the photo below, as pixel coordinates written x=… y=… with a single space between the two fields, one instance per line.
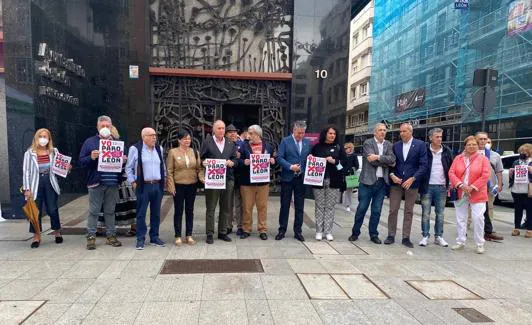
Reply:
x=321 y=74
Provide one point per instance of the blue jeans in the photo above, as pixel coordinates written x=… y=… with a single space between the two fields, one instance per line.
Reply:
x=366 y=194
x=287 y=188
x=436 y=194
x=151 y=194
x=47 y=196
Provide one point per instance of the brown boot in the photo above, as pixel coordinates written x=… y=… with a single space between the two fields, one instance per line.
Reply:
x=493 y=236
x=528 y=234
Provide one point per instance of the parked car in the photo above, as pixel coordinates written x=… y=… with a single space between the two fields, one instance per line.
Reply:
x=507 y=162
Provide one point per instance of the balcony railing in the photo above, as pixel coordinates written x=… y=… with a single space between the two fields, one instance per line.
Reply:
x=361 y=74
x=354 y=103
x=356 y=130
x=363 y=46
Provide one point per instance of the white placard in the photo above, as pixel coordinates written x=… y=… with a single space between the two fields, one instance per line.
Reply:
x=315 y=171
x=111 y=156
x=521 y=174
x=259 y=168
x=215 y=174
x=60 y=165
x=133 y=72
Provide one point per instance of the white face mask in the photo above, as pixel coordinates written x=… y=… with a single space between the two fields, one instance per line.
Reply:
x=105 y=133
x=488 y=146
x=43 y=142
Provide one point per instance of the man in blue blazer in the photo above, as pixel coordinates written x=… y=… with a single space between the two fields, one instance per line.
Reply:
x=292 y=156
x=410 y=169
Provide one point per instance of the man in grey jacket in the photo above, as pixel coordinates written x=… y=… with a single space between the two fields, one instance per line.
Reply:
x=377 y=158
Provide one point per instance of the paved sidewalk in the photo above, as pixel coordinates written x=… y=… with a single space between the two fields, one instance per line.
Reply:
x=302 y=283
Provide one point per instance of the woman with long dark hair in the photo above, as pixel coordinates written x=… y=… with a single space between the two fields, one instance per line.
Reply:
x=327 y=196
x=184 y=171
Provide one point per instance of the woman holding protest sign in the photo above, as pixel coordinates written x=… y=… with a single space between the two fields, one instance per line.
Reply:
x=256 y=156
x=184 y=171
x=521 y=185
x=40 y=181
x=328 y=195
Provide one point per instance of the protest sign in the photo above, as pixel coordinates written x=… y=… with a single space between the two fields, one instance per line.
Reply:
x=111 y=156
x=215 y=174
x=521 y=174
x=315 y=171
x=259 y=168
x=60 y=165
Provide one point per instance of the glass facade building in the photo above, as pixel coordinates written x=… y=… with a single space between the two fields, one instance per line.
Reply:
x=431 y=47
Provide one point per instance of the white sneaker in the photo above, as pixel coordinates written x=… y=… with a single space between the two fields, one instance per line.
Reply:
x=440 y=241
x=480 y=249
x=329 y=237
x=424 y=241
x=457 y=247
x=348 y=209
x=319 y=236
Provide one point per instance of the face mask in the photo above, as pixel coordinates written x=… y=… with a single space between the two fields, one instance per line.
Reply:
x=523 y=156
x=488 y=146
x=105 y=132
x=43 y=142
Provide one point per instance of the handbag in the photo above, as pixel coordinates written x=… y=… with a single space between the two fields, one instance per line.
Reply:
x=453 y=193
x=352 y=181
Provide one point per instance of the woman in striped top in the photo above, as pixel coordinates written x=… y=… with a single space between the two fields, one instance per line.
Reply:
x=40 y=183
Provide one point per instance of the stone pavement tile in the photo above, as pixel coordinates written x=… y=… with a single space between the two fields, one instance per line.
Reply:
x=86 y=270
x=297 y=251
x=64 y=290
x=321 y=286
x=142 y=269
x=151 y=252
x=48 y=314
x=197 y=251
x=385 y=312
x=72 y=249
x=442 y=290
x=14 y=312
x=95 y=292
x=259 y=312
x=106 y=252
x=75 y=314
x=175 y=312
x=223 y=312
x=397 y=288
x=14 y=269
x=262 y=252
x=382 y=268
x=357 y=286
x=306 y=266
x=344 y=247
x=180 y=287
x=427 y=270
x=114 y=270
x=232 y=287
x=221 y=250
x=321 y=248
x=23 y=289
x=434 y=312
x=5 y=282
x=283 y=287
x=501 y=311
x=338 y=266
x=276 y=266
x=294 y=312
x=128 y=290
x=48 y=270
x=340 y=312
x=121 y=313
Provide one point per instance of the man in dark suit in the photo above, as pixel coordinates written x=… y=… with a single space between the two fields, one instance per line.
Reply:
x=219 y=147
x=410 y=169
x=292 y=156
x=377 y=159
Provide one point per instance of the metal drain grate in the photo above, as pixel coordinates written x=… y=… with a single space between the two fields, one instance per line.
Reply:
x=473 y=315
x=211 y=266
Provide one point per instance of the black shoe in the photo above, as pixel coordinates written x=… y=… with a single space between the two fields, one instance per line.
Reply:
x=210 y=239
x=389 y=240
x=244 y=235
x=353 y=238
x=263 y=236
x=229 y=231
x=224 y=237
x=239 y=232
x=299 y=236
x=376 y=240
x=58 y=239
x=280 y=235
x=406 y=241
x=35 y=244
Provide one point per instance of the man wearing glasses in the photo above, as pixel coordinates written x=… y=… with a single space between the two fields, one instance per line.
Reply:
x=146 y=173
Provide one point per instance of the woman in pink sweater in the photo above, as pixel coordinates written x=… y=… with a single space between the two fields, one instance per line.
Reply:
x=469 y=174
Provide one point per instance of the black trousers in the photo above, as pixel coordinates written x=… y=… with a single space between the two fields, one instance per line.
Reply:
x=522 y=203
x=185 y=195
x=298 y=189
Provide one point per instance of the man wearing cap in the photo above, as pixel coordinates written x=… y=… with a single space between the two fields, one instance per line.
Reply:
x=235 y=209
